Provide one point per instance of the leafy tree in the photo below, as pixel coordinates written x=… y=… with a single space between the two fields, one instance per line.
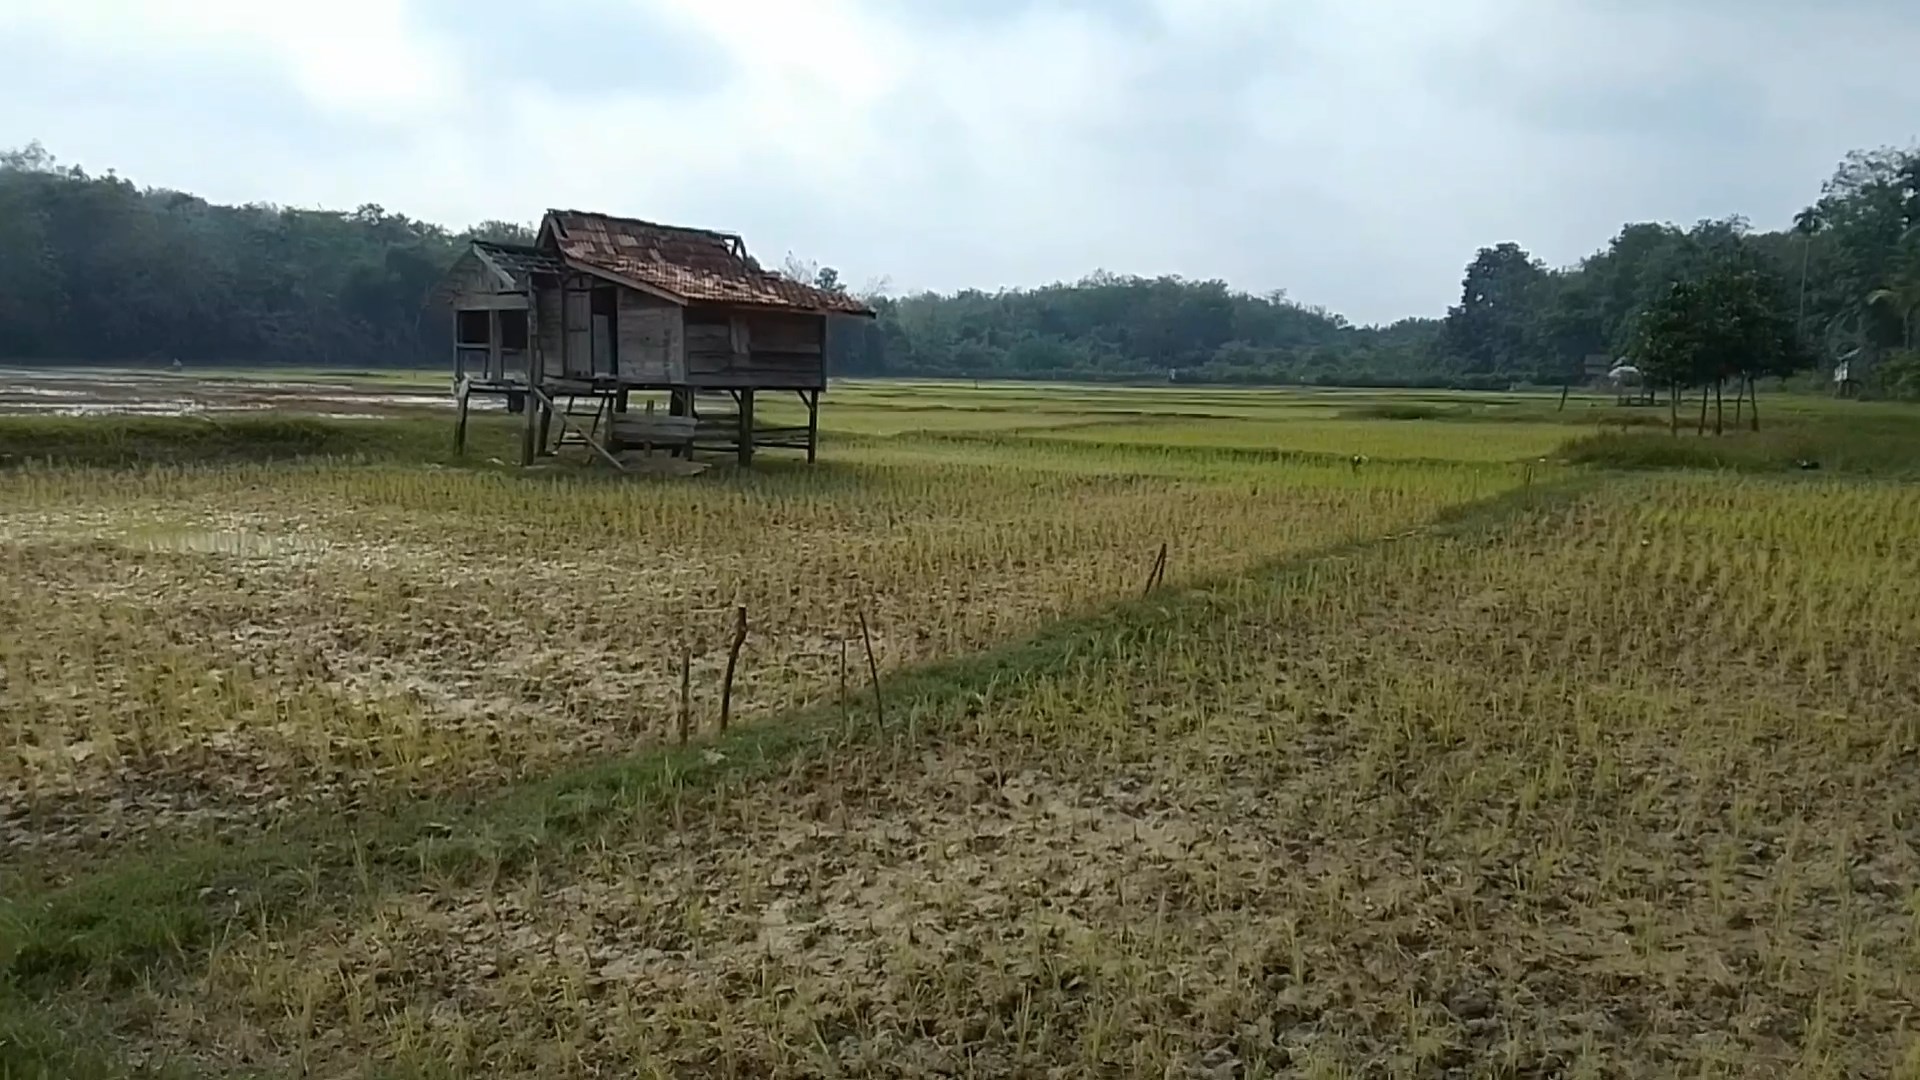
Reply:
x=501 y=232
x=1492 y=328
x=1902 y=299
x=1728 y=324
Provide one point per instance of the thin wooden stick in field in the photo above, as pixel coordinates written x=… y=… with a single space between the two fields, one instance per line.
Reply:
x=1157 y=570
x=844 y=710
x=873 y=671
x=685 y=721
x=733 y=658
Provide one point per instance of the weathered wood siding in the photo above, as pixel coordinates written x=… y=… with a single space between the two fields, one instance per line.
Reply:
x=651 y=345
x=709 y=342
x=579 y=349
x=744 y=347
x=551 y=344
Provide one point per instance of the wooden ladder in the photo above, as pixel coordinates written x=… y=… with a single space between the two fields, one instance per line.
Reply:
x=572 y=432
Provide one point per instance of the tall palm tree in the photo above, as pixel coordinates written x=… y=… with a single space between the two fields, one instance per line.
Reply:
x=1807 y=222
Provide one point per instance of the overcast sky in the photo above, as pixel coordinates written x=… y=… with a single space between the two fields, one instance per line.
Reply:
x=1352 y=152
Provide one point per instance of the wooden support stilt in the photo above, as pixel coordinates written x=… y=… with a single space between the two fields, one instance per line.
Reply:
x=677 y=406
x=620 y=400
x=462 y=395
x=746 y=428
x=813 y=424
x=530 y=416
x=546 y=429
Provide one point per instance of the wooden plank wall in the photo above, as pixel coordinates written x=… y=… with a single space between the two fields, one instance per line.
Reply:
x=651 y=344
x=551 y=345
x=578 y=357
x=755 y=348
x=709 y=342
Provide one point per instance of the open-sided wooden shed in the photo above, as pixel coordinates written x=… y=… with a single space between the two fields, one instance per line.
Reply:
x=600 y=308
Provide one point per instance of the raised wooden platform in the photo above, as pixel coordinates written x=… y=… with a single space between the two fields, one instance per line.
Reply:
x=594 y=413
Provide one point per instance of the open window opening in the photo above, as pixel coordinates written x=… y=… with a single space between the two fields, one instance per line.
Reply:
x=513 y=331
x=473 y=328
x=605 y=308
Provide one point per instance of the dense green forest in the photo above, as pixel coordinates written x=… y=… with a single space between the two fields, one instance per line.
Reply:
x=95 y=268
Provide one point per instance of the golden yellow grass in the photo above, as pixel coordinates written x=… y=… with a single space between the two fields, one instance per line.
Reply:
x=227 y=647
x=1439 y=440
x=1625 y=787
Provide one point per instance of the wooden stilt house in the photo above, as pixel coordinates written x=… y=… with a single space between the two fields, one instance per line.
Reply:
x=601 y=309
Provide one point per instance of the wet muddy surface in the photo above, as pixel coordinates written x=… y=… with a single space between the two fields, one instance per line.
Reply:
x=123 y=391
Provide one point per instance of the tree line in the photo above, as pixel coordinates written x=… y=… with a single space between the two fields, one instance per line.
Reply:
x=1842 y=284
x=95 y=268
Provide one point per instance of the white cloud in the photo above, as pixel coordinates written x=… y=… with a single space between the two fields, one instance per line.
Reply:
x=1354 y=152
x=361 y=58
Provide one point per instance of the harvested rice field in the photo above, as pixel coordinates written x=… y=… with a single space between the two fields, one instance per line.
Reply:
x=1425 y=752
x=229 y=646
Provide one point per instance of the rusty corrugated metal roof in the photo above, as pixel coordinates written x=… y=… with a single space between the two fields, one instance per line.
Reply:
x=691 y=264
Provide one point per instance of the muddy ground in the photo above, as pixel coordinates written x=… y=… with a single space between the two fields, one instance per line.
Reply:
x=97 y=391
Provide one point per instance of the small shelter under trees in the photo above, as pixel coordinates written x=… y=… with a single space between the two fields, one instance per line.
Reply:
x=1727 y=325
x=599 y=307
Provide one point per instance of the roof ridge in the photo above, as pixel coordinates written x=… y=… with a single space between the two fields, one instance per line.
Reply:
x=506 y=245
x=720 y=233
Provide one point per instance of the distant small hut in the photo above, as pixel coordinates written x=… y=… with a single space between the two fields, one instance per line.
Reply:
x=1847 y=374
x=1629 y=385
x=599 y=308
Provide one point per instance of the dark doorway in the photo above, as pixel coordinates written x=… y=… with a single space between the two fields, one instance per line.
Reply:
x=606 y=327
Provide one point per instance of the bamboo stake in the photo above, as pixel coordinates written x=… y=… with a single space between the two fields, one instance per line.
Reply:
x=845 y=711
x=873 y=670
x=684 y=723
x=1156 y=570
x=733 y=658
